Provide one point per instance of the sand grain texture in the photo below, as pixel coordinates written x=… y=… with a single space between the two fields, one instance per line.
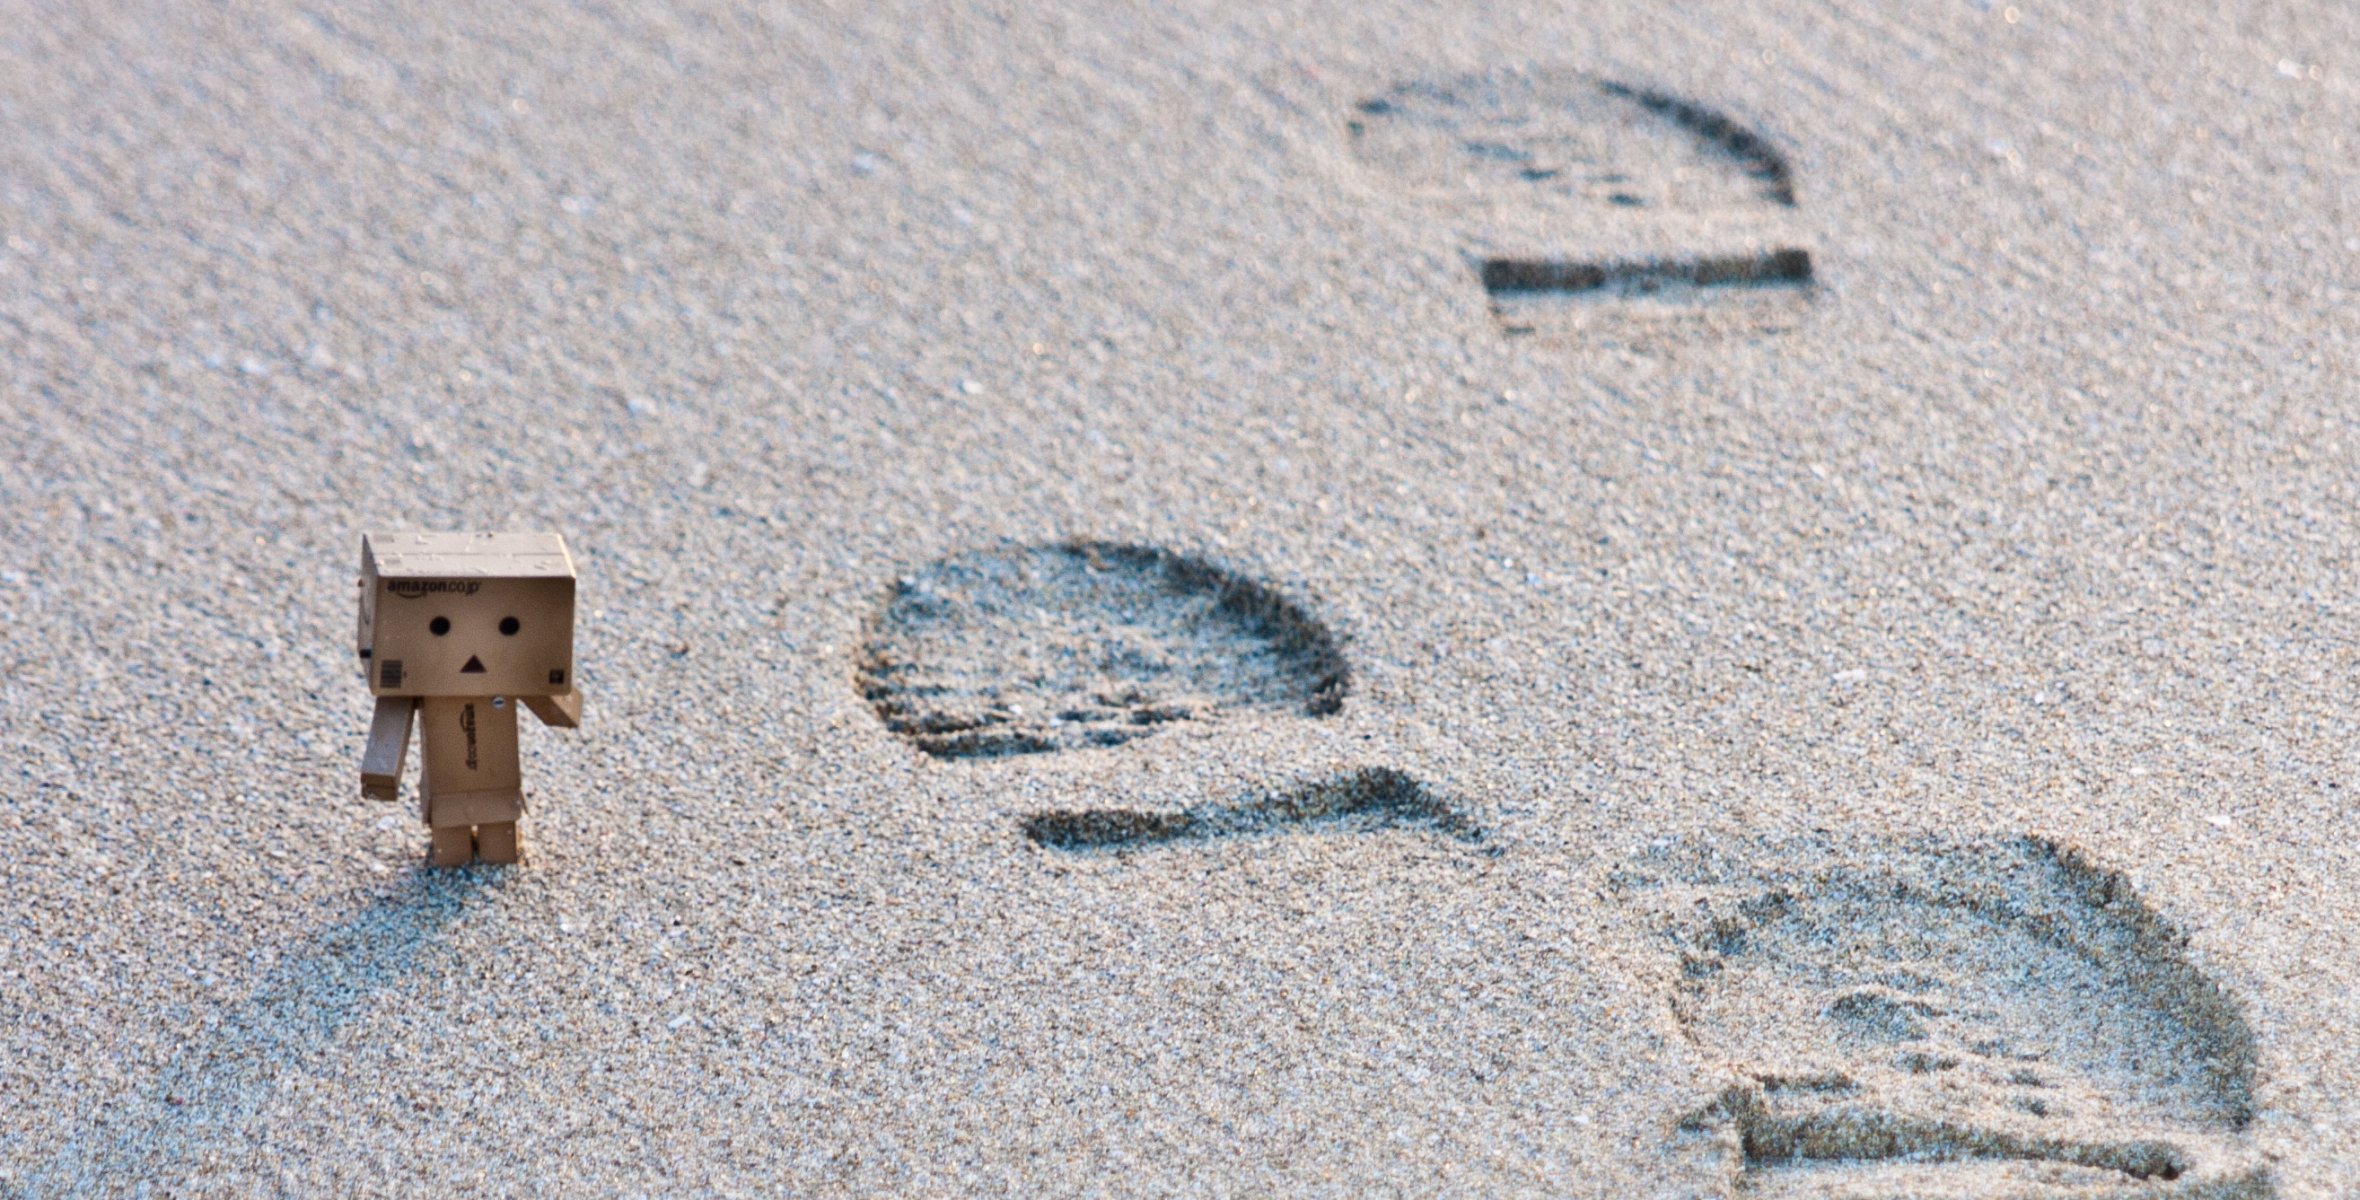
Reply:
x=2024 y=520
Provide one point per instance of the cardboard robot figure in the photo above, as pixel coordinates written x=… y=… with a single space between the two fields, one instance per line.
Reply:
x=456 y=631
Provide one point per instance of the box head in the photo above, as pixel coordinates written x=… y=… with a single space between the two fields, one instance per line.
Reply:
x=467 y=614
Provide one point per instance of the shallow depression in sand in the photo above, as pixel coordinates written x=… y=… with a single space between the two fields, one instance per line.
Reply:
x=1046 y=648
x=1953 y=1020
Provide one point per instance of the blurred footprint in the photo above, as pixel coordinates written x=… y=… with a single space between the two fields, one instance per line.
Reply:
x=1564 y=140
x=1597 y=210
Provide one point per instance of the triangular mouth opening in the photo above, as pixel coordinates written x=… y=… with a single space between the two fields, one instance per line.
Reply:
x=474 y=666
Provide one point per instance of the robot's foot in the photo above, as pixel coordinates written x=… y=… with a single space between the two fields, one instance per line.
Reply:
x=499 y=843
x=453 y=846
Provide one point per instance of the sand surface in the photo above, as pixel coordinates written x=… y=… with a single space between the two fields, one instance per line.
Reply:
x=1695 y=600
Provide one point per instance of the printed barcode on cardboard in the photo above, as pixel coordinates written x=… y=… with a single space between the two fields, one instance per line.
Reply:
x=389 y=673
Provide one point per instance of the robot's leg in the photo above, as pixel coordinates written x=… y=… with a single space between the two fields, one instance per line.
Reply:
x=454 y=845
x=499 y=842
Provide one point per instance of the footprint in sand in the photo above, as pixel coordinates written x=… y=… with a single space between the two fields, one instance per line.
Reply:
x=1046 y=648
x=1970 y=1020
x=1597 y=210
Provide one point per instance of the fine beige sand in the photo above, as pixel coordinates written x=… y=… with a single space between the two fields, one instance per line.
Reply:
x=1617 y=600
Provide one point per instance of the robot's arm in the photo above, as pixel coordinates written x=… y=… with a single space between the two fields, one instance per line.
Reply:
x=389 y=742
x=563 y=711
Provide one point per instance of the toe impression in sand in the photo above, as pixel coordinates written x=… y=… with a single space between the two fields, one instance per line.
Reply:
x=1038 y=649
